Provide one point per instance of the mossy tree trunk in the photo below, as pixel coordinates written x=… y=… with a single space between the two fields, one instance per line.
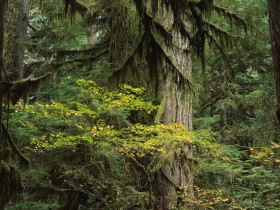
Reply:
x=178 y=105
x=1 y=56
x=2 y=140
x=274 y=22
x=10 y=180
x=177 y=178
x=18 y=21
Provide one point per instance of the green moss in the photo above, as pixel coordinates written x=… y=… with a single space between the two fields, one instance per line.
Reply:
x=4 y=167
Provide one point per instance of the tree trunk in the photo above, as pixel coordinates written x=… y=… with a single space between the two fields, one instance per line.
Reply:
x=2 y=140
x=177 y=179
x=1 y=57
x=19 y=22
x=178 y=105
x=274 y=22
x=10 y=181
x=1 y=30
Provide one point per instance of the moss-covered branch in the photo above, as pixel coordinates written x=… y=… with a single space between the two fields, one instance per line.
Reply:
x=21 y=89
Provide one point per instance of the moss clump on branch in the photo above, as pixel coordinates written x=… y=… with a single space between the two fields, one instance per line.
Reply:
x=22 y=88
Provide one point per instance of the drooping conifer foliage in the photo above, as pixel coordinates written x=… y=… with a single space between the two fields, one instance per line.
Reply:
x=191 y=19
x=94 y=145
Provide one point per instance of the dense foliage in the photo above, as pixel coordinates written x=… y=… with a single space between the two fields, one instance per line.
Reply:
x=94 y=144
x=89 y=153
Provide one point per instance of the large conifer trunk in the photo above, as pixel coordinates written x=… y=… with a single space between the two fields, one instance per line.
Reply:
x=177 y=178
x=178 y=105
x=274 y=21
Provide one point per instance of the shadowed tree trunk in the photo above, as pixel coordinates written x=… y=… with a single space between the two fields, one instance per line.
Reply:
x=10 y=180
x=18 y=19
x=177 y=178
x=274 y=22
x=3 y=144
x=1 y=56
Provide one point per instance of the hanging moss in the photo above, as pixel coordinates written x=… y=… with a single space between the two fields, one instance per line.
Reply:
x=10 y=148
x=5 y=150
x=10 y=179
x=10 y=183
x=73 y=7
x=22 y=88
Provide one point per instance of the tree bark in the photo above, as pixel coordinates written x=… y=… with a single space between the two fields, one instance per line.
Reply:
x=2 y=140
x=1 y=56
x=177 y=178
x=274 y=22
x=19 y=22
x=178 y=105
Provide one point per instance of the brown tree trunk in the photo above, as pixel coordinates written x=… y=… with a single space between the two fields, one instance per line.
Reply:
x=2 y=140
x=178 y=105
x=1 y=29
x=1 y=56
x=19 y=21
x=177 y=178
x=274 y=22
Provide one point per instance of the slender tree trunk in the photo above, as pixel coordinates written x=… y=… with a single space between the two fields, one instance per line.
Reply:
x=1 y=29
x=274 y=22
x=2 y=140
x=22 y=34
x=1 y=56
x=19 y=21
